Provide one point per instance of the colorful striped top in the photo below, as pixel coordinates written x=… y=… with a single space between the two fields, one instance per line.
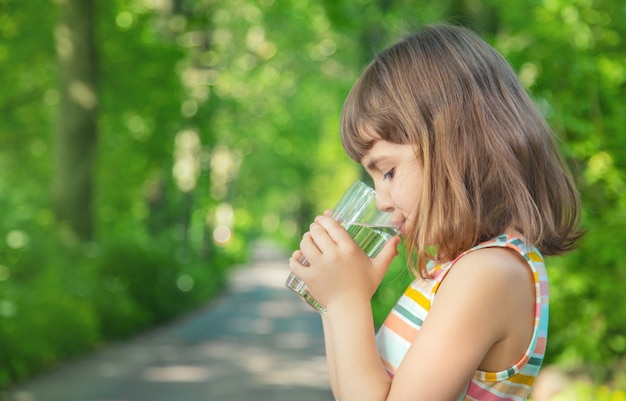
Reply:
x=403 y=323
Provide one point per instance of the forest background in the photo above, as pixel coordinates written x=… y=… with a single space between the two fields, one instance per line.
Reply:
x=146 y=143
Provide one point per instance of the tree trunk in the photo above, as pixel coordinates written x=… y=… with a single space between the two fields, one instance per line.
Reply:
x=76 y=129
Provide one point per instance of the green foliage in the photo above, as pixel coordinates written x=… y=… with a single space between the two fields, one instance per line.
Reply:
x=44 y=314
x=58 y=301
x=585 y=391
x=177 y=284
x=394 y=283
x=154 y=257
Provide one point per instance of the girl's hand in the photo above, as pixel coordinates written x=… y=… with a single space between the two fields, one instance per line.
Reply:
x=338 y=269
x=297 y=255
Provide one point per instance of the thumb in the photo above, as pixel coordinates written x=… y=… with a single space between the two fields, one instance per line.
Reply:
x=383 y=260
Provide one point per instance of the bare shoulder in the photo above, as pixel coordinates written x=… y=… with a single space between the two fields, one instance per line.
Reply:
x=501 y=265
x=497 y=281
x=494 y=276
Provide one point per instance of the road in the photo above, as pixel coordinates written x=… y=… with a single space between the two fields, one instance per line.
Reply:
x=257 y=341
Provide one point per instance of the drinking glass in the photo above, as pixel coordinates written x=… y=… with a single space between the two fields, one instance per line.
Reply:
x=370 y=228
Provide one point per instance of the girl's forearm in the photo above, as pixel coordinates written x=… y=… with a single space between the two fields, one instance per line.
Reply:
x=330 y=356
x=358 y=370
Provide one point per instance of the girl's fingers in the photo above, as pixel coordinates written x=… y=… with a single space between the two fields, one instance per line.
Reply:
x=297 y=268
x=296 y=254
x=321 y=237
x=335 y=231
x=308 y=247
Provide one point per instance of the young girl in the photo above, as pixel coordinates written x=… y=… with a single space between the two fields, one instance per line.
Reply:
x=469 y=168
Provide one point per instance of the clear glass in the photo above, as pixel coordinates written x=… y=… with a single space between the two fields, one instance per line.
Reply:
x=370 y=228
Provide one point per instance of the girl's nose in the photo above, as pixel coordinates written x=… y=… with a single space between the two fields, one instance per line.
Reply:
x=383 y=203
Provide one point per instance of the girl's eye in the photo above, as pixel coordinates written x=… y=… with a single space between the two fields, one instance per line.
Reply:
x=389 y=174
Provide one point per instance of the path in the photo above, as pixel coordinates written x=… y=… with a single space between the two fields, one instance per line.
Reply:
x=257 y=342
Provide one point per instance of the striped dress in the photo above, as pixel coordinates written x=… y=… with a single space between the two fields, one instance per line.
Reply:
x=403 y=323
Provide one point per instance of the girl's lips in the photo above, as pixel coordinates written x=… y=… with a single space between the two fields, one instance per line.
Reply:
x=401 y=228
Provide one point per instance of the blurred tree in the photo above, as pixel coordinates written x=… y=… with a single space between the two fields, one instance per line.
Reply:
x=76 y=131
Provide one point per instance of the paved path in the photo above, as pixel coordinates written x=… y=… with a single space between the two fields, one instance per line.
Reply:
x=257 y=342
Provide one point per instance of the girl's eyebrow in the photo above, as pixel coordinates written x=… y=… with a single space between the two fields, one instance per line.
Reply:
x=373 y=163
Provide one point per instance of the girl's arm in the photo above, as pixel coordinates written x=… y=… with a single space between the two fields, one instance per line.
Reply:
x=358 y=370
x=328 y=343
x=330 y=357
x=345 y=280
x=350 y=332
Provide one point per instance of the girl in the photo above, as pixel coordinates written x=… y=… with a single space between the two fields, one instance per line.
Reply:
x=469 y=168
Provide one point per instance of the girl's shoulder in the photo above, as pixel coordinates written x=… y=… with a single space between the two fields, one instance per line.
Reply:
x=505 y=256
x=495 y=267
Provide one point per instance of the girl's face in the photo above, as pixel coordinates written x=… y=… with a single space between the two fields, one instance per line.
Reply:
x=397 y=179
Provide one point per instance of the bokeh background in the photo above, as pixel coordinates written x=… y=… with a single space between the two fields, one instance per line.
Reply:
x=146 y=144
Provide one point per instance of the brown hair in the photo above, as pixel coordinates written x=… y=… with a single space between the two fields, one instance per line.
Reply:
x=489 y=159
